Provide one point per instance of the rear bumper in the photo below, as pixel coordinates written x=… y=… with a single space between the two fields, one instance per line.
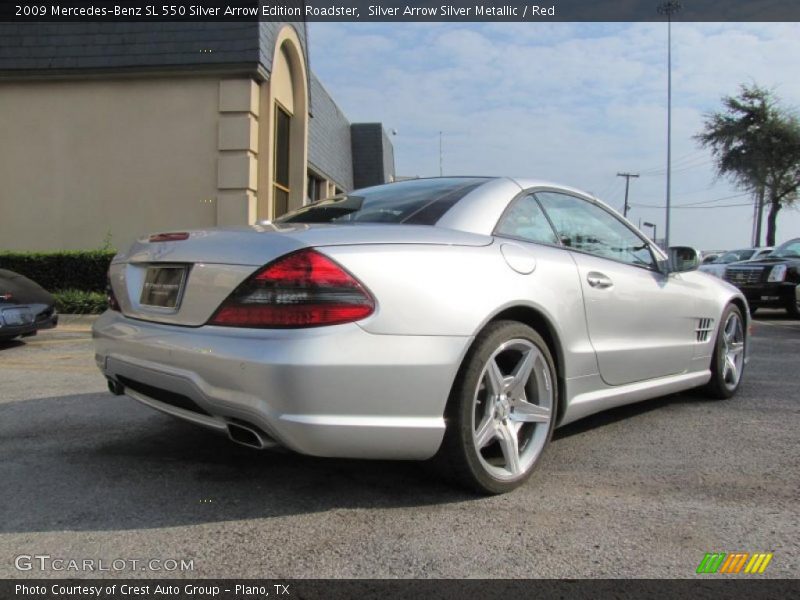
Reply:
x=44 y=319
x=7 y=332
x=330 y=391
x=47 y=321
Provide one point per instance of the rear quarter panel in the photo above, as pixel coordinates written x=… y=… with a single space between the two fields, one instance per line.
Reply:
x=441 y=290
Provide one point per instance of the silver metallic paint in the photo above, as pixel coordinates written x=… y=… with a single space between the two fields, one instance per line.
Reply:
x=377 y=388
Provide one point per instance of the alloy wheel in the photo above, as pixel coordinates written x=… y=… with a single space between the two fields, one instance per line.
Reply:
x=733 y=350
x=512 y=409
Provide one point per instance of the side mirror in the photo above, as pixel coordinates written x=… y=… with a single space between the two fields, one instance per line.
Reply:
x=683 y=258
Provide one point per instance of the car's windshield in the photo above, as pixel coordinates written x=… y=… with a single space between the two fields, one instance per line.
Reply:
x=734 y=256
x=790 y=249
x=416 y=201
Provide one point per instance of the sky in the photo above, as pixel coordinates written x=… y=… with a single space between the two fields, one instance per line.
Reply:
x=573 y=103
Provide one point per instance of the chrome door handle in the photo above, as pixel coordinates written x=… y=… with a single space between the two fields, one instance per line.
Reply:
x=598 y=280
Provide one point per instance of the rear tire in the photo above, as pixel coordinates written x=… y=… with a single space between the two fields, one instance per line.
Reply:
x=727 y=362
x=501 y=411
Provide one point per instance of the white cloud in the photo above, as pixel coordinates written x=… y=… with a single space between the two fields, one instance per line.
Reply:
x=571 y=102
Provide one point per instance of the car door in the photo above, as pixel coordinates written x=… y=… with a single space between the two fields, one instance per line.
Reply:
x=641 y=322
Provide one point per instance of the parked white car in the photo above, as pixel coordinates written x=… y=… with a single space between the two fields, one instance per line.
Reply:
x=717 y=268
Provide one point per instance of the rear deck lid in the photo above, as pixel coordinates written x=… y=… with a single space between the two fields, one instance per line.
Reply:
x=184 y=279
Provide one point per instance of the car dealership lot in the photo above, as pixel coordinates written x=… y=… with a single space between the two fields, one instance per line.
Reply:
x=642 y=491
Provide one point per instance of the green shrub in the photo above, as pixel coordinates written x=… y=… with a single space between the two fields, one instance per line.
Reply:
x=78 y=302
x=68 y=270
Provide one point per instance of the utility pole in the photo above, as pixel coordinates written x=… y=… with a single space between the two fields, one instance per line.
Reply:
x=759 y=214
x=627 y=177
x=669 y=8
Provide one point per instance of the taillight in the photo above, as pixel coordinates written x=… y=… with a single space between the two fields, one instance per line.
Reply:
x=302 y=289
x=111 y=298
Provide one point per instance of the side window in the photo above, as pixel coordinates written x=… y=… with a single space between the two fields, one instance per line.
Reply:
x=525 y=220
x=589 y=228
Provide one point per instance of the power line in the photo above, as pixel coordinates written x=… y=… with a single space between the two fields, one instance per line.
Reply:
x=715 y=200
x=700 y=204
x=610 y=190
x=701 y=191
x=686 y=158
x=716 y=206
x=701 y=207
x=684 y=167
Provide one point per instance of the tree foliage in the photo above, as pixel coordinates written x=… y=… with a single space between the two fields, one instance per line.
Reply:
x=756 y=143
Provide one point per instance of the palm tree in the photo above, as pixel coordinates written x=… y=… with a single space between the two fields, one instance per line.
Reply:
x=756 y=143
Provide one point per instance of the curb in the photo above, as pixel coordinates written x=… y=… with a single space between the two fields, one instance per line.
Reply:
x=67 y=322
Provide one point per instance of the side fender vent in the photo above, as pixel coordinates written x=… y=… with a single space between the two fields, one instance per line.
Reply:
x=704 y=329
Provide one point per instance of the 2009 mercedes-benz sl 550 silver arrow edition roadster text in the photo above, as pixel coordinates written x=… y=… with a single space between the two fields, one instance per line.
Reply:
x=456 y=318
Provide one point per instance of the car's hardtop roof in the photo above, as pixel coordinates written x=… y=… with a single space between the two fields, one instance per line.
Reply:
x=524 y=183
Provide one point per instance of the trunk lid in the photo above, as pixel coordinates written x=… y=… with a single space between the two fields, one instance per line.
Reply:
x=190 y=278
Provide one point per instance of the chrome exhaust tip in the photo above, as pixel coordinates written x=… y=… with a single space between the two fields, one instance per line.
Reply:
x=248 y=436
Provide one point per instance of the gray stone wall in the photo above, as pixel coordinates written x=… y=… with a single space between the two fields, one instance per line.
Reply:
x=329 y=143
x=373 y=155
x=56 y=46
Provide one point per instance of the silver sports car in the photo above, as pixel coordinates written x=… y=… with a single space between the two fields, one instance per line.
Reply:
x=456 y=318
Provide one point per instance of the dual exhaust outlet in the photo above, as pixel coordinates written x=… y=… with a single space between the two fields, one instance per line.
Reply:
x=250 y=436
x=238 y=431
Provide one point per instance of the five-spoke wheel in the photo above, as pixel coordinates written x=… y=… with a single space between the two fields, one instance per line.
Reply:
x=502 y=410
x=727 y=363
x=733 y=344
x=504 y=417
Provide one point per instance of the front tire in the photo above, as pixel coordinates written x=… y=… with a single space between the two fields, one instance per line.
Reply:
x=501 y=411
x=727 y=362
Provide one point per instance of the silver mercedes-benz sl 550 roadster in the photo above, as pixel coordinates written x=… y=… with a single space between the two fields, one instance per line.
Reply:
x=459 y=318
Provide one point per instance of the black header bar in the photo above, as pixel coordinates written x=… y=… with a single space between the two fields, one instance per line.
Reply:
x=394 y=11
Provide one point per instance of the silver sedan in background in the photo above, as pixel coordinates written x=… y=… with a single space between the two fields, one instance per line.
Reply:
x=460 y=319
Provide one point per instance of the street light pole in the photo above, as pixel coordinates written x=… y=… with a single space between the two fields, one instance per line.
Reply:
x=669 y=8
x=440 y=154
x=653 y=225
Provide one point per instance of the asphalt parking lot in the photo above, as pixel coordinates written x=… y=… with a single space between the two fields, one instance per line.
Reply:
x=642 y=491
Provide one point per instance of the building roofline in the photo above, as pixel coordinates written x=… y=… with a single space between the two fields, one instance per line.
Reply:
x=249 y=69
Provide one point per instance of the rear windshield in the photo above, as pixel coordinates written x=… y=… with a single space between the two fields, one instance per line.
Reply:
x=416 y=202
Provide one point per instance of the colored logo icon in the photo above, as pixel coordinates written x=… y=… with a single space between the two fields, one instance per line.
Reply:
x=734 y=563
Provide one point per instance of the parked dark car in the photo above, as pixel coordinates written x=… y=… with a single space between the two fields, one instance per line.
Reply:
x=772 y=282
x=25 y=307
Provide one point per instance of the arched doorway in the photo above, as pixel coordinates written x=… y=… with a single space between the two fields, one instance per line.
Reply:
x=283 y=147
